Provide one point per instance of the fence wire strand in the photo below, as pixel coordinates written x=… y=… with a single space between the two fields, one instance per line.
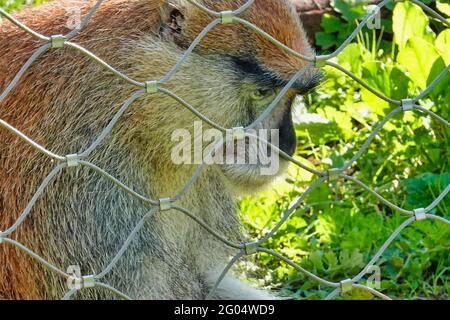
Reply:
x=244 y=249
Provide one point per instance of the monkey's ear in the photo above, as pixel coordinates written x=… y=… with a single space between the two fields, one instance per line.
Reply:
x=173 y=20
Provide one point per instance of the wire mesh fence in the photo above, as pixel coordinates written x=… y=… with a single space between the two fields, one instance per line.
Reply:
x=407 y=104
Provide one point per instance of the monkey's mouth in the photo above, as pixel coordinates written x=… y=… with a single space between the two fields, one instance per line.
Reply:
x=253 y=176
x=256 y=160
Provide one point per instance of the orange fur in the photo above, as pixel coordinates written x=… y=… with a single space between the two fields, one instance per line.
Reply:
x=20 y=276
x=272 y=16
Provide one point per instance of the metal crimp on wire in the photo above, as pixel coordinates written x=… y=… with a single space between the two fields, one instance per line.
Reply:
x=227 y=17
x=250 y=247
x=420 y=214
x=88 y=281
x=346 y=285
x=57 y=41
x=408 y=104
x=334 y=174
x=165 y=204
x=72 y=160
x=151 y=86
x=320 y=63
x=238 y=133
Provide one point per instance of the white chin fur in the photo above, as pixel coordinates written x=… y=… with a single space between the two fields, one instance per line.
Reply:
x=250 y=177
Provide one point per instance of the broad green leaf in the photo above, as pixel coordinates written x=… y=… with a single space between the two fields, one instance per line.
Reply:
x=326 y=40
x=351 y=259
x=375 y=104
x=418 y=57
x=350 y=9
x=332 y=260
x=444 y=83
x=345 y=31
x=331 y=23
x=443 y=7
x=443 y=45
x=316 y=258
x=386 y=79
x=352 y=57
x=424 y=63
x=408 y=21
x=299 y=174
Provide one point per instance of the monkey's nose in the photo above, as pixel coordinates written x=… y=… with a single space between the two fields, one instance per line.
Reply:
x=288 y=138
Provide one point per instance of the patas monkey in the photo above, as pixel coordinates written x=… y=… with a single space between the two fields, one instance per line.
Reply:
x=65 y=100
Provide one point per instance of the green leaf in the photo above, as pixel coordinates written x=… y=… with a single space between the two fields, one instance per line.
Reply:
x=351 y=259
x=398 y=261
x=352 y=57
x=443 y=85
x=317 y=259
x=325 y=40
x=351 y=10
x=331 y=23
x=443 y=45
x=384 y=78
x=341 y=119
x=300 y=174
x=424 y=64
x=408 y=21
x=421 y=191
x=332 y=260
x=443 y=7
x=418 y=57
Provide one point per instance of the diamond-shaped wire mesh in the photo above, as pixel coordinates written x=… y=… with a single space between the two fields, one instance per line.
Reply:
x=156 y=205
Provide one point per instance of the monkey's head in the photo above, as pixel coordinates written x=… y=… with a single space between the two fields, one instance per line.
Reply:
x=233 y=76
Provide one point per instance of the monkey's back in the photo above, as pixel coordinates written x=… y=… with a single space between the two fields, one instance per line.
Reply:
x=30 y=107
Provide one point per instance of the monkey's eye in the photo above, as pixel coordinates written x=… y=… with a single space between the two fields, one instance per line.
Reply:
x=261 y=94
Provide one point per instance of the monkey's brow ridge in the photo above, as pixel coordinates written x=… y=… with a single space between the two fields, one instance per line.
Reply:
x=250 y=68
